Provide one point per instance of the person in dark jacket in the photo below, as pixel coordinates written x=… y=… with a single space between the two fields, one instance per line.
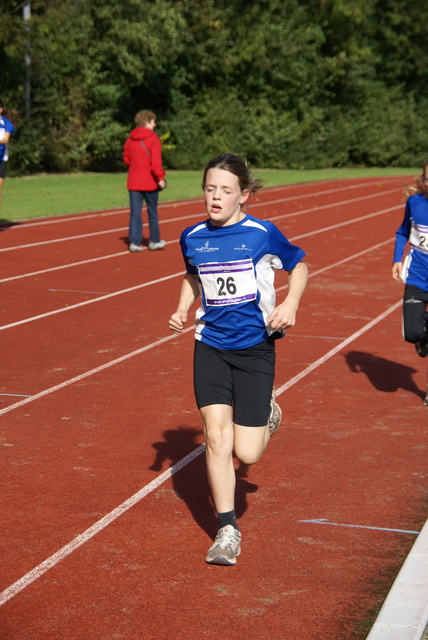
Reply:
x=146 y=177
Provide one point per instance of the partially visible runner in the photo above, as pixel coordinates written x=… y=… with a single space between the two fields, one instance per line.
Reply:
x=6 y=129
x=230 y=260
x=413 y=270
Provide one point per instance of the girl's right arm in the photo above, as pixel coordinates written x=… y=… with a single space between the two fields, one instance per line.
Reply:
x=401 y=239
x=188 y=294
x=396 y=270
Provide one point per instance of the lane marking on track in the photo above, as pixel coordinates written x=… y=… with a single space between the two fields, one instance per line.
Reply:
x=78 y=216
x=109 y=364
x=100 y=293
x=315 y=209
x=344 y=224
x=82 y=376
x=64 y=266
x=53 y=560
x=146 y=284
x=86 y=302
x=101 y=524
x=15 y=395
x=356 y=526
x=123 y=253
x=338 y=348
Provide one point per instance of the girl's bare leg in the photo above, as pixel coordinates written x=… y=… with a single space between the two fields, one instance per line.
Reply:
x=218 y=424
x=250 y=442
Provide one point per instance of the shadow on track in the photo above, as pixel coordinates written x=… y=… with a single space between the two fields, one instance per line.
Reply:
x=190 y=483
x=7 y=224
x=385 y=375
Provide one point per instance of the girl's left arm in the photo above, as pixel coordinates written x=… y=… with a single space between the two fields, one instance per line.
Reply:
x=284 y=315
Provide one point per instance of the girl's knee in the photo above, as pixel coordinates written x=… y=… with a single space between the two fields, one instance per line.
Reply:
x=248 y=457
x=250 y=450
x=219 y=438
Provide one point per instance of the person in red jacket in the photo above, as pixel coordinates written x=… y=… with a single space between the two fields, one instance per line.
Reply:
x=146 y=177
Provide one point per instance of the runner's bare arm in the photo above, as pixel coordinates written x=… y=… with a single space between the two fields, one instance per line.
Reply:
x=188 y=294
x=284 y=315
x=396 y=270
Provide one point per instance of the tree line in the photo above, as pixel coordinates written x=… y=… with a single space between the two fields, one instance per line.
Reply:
x=284 y=83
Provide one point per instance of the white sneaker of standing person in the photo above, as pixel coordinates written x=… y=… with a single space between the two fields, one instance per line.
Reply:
x=133 y=248
x=155 y=246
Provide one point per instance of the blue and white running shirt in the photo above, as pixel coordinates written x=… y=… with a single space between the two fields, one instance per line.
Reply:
x=235 y=268
x=5 y=125
x=414 y=229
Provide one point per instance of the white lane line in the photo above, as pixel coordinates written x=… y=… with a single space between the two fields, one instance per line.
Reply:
x=56 y=240
x=314 y=209
x=86 y=302
x=344 y=224
x=64 y=266
x=82 y=376
x=146 y=284
x=338 y=348
x=65 y=551
x=100 y=293
x=150 y=346
x=78 y=216
x=53 y=560
x=123 y=253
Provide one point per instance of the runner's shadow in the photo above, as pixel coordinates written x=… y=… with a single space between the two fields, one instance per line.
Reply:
x=190 y=481
x=385 y=375
x=7 y=224
x=125 y=240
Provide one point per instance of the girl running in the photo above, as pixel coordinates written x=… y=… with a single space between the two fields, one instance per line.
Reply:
x=414 y=269
x=230 y=260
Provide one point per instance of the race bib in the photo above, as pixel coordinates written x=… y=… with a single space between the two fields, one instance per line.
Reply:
x=228 y=282
x=419 y=237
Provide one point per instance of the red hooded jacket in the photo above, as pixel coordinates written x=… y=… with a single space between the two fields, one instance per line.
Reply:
x=144 y=167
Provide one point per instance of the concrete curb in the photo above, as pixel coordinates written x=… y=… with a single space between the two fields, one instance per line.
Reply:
x=404 y=614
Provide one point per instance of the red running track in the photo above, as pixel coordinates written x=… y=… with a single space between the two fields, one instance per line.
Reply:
x=105 y=504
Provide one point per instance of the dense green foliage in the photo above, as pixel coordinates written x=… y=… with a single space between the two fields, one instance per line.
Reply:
x=285 y=83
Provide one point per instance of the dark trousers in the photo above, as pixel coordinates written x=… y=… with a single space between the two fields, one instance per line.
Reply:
x=137 y=199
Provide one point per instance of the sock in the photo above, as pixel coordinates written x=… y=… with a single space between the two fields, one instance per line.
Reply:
x=228 y=517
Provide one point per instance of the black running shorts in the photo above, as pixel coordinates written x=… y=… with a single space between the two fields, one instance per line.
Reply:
x=242 y=379
x=414 y=313
x=3 y=167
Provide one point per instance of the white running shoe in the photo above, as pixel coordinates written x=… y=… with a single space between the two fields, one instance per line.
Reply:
x=154 y=246
x=226 y=548
x=133 y=248
x=275 y=415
